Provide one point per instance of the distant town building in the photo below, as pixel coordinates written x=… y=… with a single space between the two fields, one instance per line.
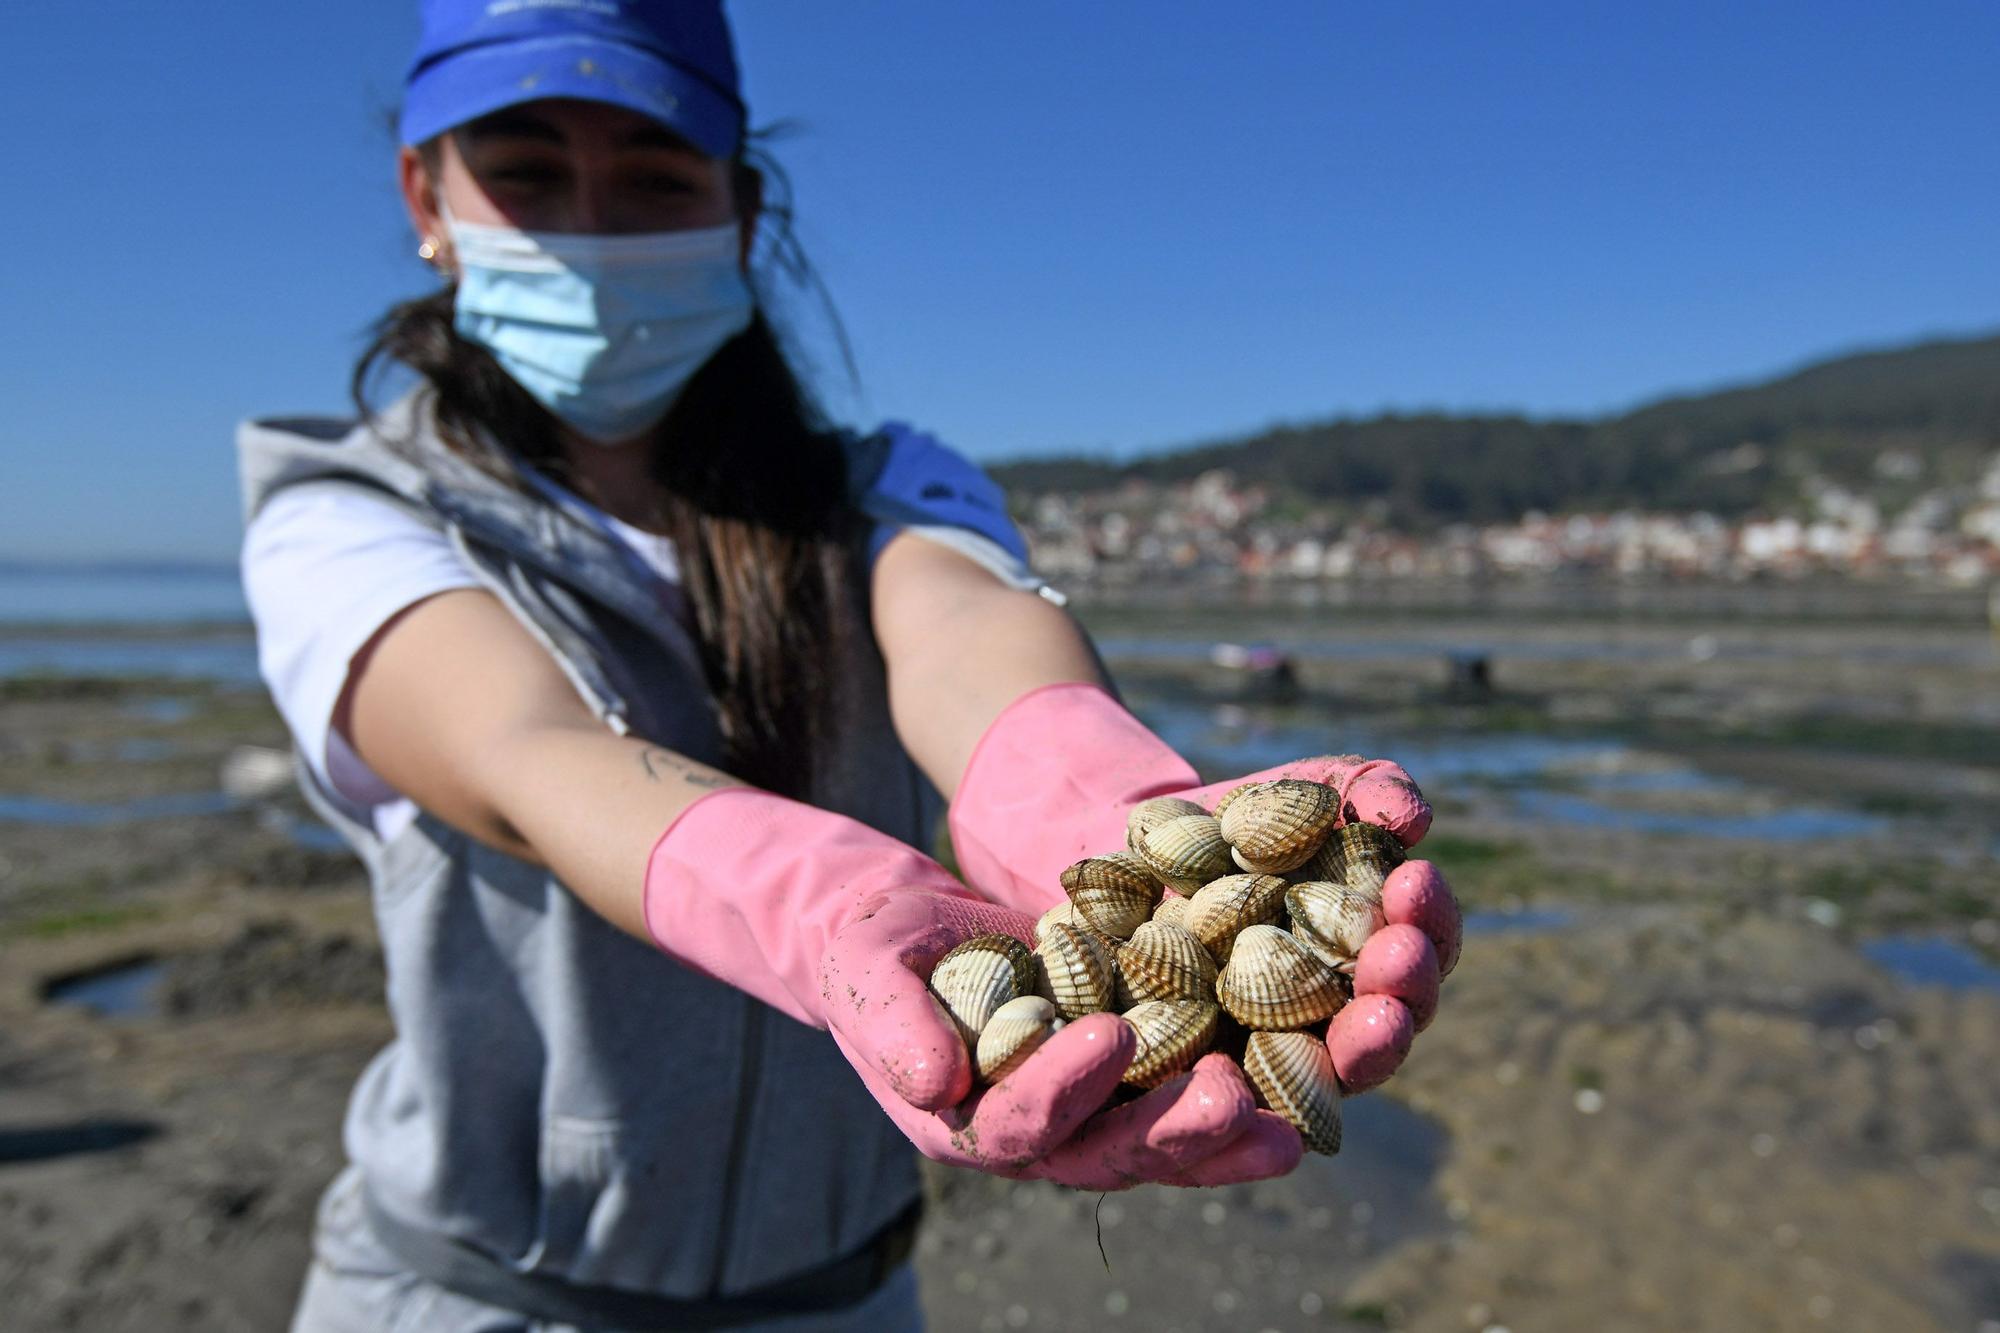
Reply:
x=1210 y=527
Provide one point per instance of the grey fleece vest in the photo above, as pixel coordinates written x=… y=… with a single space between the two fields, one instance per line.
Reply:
x=558 y=1094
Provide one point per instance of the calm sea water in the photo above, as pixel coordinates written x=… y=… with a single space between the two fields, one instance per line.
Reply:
x=191 y=624
x=125 y=597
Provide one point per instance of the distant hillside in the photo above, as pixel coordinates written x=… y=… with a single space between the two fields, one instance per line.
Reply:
x=1889 y=423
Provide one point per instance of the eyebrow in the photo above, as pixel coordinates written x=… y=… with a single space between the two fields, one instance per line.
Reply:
x=512 y=125
x=525 y=125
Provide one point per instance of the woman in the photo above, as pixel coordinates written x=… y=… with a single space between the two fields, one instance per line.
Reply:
x=597 y=645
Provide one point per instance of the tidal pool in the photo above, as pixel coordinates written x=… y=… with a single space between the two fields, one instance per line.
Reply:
x=1932 y=960
x=42 y=810
x=129 y=989
x=1581 y=781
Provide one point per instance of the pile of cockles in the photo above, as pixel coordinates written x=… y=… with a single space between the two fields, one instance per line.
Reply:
x=1235 y=929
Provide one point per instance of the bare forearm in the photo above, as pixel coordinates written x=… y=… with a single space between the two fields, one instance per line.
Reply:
x=961 y=647
x=458 y=709
x=590 y=806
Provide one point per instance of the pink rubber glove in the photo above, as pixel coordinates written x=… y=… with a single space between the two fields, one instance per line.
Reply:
x=1050 y=783
x=838 y=926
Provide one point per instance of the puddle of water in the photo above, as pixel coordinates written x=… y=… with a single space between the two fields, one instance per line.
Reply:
x=1236 y=1257
x=1236 y=739
x=1932 y=960
x=1528 y=920
x=161 y=708
x=1378 y=1189
x=1388 y=1157
x=1797 y=824
x=37 y=1143
x=130 y=750
x=124 y=990
x=41 y=810
x=230 y=659
x=1701 y=648
x=1246 y=740
x=309 y=834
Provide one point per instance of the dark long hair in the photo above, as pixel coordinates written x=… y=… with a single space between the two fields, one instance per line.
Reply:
x=749 y=483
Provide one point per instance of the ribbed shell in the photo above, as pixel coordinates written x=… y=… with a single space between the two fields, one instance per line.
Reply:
x=1275 y=826
x=979 y=976
x=1359 y=856
x=1141 y=818
x=1073 y=971
x=1112 y=893
x=1065 y=912
x=1173 y=1034
x=1333 y=921
x=1293 y=1074
x=1016 y=1029
x=1220 y=910
x=1163 y=962
x=1187 y=850
x=1273 y=983
x=1229 y=798
x=1172 y=911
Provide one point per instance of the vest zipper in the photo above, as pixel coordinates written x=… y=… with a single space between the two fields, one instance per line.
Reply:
x=739 y=1137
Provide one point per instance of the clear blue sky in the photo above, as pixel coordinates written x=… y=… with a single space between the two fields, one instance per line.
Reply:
x=1049 y=226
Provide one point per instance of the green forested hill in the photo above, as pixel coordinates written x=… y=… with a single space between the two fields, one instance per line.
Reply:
x=1892 y=421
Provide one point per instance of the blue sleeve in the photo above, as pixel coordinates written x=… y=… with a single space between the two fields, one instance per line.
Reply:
x=923 y=486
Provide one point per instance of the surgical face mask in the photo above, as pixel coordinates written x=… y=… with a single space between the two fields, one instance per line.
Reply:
x=602 y=330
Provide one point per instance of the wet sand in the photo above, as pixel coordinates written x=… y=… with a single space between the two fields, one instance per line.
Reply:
x=1675 y=1094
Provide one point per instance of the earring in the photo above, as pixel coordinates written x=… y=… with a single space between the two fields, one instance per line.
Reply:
x=428 y=251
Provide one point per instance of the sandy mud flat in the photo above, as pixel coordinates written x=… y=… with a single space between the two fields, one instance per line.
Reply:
x=1679 y=1081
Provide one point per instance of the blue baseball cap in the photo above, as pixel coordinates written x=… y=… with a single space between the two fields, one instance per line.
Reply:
x=668 y=59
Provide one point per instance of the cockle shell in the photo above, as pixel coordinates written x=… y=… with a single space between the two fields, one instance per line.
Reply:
x=1172 y=910
x=1141 y=818
x=1293 y=1074
x=1273 y=983
x=1332 y=920
x=1112 y=893
x=1064 y=912
x=979 y=976
x=1073 y=971
x=1220 y=910
x=1173 y=1034
x=1358 y=855
x=1228 y=798
x=1187 y=851
x=1275 y=826
x=1016 y=1029
x=1163 y=962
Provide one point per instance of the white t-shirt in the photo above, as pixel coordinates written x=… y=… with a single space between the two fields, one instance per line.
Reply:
x=325 y=567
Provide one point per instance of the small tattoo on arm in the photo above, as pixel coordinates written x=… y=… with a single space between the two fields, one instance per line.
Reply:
x=656 y=761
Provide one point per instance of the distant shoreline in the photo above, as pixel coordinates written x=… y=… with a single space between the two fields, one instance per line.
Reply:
x=126 y=567
x=178 y=630
x=1228 y=603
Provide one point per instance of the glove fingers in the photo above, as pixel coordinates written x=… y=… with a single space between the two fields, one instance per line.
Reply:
x=932 y=1134
x=1398 y=960
x=1269 y=1147
x=1032 y=1111
x=888 y=1019
x=1172 y=1128
x=1374 y=790
x=1379 y=792
x=1416 y=894
x=1368 y=1040
x=872 y=984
